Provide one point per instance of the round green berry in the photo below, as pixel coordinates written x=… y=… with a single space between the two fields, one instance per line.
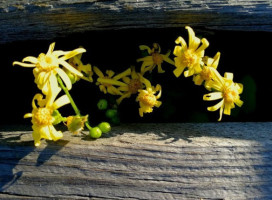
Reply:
x=95 y=132
x=102 y=104
x=110 y=113
x=105 y=127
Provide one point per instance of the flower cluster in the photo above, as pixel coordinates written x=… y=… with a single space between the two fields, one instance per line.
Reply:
x=191 y=61
x=52 y=74
x=58 y=70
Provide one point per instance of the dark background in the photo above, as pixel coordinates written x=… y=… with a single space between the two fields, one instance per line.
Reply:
x=246 y=54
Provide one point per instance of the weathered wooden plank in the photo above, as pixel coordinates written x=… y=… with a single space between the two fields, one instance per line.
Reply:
x=25 y=19
x=142 y=161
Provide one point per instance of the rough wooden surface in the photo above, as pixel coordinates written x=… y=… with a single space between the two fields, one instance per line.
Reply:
x=142 y=161
x=40 y=19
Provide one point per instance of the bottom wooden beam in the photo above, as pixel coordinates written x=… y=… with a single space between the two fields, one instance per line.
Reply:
x=142 y=161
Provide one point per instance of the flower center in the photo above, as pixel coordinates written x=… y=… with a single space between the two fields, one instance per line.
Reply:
x=134 y=85
x=42 y=116
x=47 y=62
x=148 y=99
x=230 y=94
x=157 y=58
x=206 y=74
x=188 y=58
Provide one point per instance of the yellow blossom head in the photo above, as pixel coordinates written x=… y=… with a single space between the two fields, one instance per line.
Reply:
x=189 y=57
x=207 y=72
x=42 y=118
x=108 y=83
x=148 y=98
x=154 y=58
x=226 y=90
x=46 y=67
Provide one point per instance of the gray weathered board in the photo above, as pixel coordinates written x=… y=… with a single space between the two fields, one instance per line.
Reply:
x=41 y=19
x=142 y=161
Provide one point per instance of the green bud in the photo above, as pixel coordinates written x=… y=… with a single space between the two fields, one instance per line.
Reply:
x=104 y=127
x=102 y=104
x=95 y=132
x=110 y=113
x=115 y=120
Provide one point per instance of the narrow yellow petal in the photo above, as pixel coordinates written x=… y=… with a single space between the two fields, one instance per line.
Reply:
x=239 y=102
x=178 y=71
x=23 y=64
x=30 y=59
x=146 y=82
x=212 y=96
x=145 y=59
x=168 y=60
x=126 y=80
x=144 y=47
x=61 y=101
x=204 y=45
x=51 y=48
x=181 y=41
x=114 y=91
x=160 y=70
x=28 y=115
x=73 y=53
x=228 y=75
x=65 y=78
x=70 y=68
x=98 y=72
x=216 y=107
x=123 y=74
x=111 y=81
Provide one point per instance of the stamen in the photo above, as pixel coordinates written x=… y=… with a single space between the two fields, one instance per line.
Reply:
x=42 y=116
x=134 y=85
x=157 y=58
x=188 y=58
x=148 y=99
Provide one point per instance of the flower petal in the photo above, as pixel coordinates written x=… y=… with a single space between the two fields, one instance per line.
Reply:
x=212 y=96
x=23 y=64
x=73 y=53
x=61 y=101
x=144 y=47
x=111 y=81
x=65 y=78
x=216 y=106
x=123 y=74
x=51 y=48
x=30 y=59
x=98 y=72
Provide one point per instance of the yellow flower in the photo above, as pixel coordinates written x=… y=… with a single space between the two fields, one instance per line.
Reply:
x=46 y=67
x=107 y=83
x=42 y=118
x=86 y=70
x=226 y=90
x=147 y=98
x=133 y=84
x=190 y=56
x=207 y=72
x=154 y=59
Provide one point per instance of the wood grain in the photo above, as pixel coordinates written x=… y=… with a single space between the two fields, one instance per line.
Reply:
x=142 y=161
x=40 y=19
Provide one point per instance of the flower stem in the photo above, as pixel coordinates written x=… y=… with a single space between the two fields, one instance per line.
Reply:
x=69 y=96
x=72 y=101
